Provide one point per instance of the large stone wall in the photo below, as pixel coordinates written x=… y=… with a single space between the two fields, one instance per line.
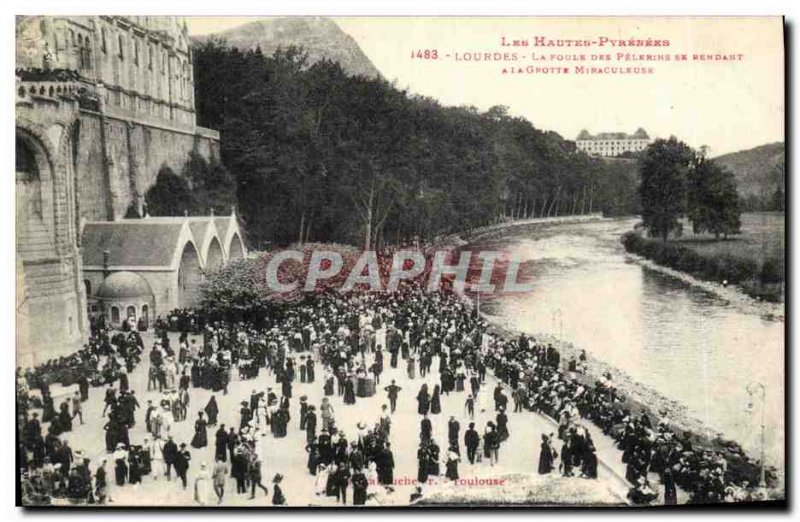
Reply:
x=136 y=153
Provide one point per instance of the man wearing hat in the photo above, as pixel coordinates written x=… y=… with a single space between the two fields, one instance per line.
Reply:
x=170 y=455
x=277 y=495
x=182 y=459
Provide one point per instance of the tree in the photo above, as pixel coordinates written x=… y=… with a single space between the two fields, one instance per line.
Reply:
x=713 y=202
x=664 y=170
x=170 y=195
x=234 y=292
x=212 y=186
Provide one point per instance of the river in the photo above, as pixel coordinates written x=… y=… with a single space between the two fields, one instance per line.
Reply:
x=681 y=341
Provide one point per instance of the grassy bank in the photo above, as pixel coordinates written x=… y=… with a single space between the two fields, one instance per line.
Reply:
x=754 y=261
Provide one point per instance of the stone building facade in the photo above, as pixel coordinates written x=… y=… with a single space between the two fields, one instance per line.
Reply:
x=610 y=144
x=102 y=104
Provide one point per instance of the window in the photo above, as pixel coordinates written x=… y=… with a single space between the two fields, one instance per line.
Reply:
x=88 y=285
x=131 y=312
x=103 y=43
x=121 y=46
x=114 y=314
x=136 y=51
x=150 y=57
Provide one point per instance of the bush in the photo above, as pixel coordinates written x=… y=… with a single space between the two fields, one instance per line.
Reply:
x=772 y=271
x=733 y=269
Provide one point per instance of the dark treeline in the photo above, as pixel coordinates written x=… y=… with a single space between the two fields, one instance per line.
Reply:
x=319 y=155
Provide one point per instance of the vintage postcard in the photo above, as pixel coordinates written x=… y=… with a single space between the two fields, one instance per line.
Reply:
x=411 y=261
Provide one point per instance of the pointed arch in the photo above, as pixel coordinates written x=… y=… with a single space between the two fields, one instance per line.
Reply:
x=190 y=275
x=236 y=248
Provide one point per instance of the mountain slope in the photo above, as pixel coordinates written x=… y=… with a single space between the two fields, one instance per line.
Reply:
x=759 y=171
x=319 y=37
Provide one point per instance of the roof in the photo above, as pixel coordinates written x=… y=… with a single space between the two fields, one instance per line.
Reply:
x=124 y=284
x=640 y=134
x=153 y=243
x=139 y=242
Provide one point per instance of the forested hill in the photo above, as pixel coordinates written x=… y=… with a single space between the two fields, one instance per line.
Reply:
x=320 y=37
x=759 y=174
x=318 y=154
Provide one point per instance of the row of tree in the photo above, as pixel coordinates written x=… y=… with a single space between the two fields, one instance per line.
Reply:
x=677 y=181
x=314 y=154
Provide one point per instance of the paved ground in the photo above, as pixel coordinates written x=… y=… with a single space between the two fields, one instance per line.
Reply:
x=519 y=454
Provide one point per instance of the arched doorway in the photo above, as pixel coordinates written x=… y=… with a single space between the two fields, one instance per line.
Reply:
x=214 y=256
x=236 y=250
x=189 y=277
x=33 y=180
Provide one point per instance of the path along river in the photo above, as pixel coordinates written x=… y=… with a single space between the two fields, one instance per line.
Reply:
x=680 y=341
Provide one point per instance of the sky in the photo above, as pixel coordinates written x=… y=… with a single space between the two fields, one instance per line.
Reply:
x=725 y=105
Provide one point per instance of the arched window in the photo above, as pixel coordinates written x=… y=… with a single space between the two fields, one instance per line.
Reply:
x=136 y=51
x=145 y=313
x=114 y=314
x=88 y=285
x=121 y=45
x=103 y=41
x=131 y=312
x=150 y=57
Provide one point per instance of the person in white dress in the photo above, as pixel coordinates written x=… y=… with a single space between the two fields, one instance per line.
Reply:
x=202 y=485
x=321 y=480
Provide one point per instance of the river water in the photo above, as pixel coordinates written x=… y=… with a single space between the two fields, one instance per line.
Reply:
x=681 y=341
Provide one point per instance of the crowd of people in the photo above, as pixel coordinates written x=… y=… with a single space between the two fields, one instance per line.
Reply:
x=353 y=338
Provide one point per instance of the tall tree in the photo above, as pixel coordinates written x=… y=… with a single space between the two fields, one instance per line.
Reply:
x=713 y=202
x=664 y=170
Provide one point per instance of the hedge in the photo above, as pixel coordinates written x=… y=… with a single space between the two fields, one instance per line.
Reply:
x=724 y=267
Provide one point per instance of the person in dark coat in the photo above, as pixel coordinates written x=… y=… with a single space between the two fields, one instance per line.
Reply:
x=182 y=459
x=239 y=470
x=212 y=410
x=341 y=477
x=436 y=402
x=471 y=441
x=567 y=457
x=425 y=429
x=311 y=424
x=221 y=444
x=349 y=392
x=423 y=400
x=170 y=453
x=134 y=466
x=277 y=494
x=670 y=490
x=545 y=456
x=423 y=463
x=502 y=425
x=200 y=439
x=384 y=463
x=313 y=457
x=360 y=484
x=453 y=428
x=433 y=458
x=392 y=393
x=64 y=418
x=245 y=415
